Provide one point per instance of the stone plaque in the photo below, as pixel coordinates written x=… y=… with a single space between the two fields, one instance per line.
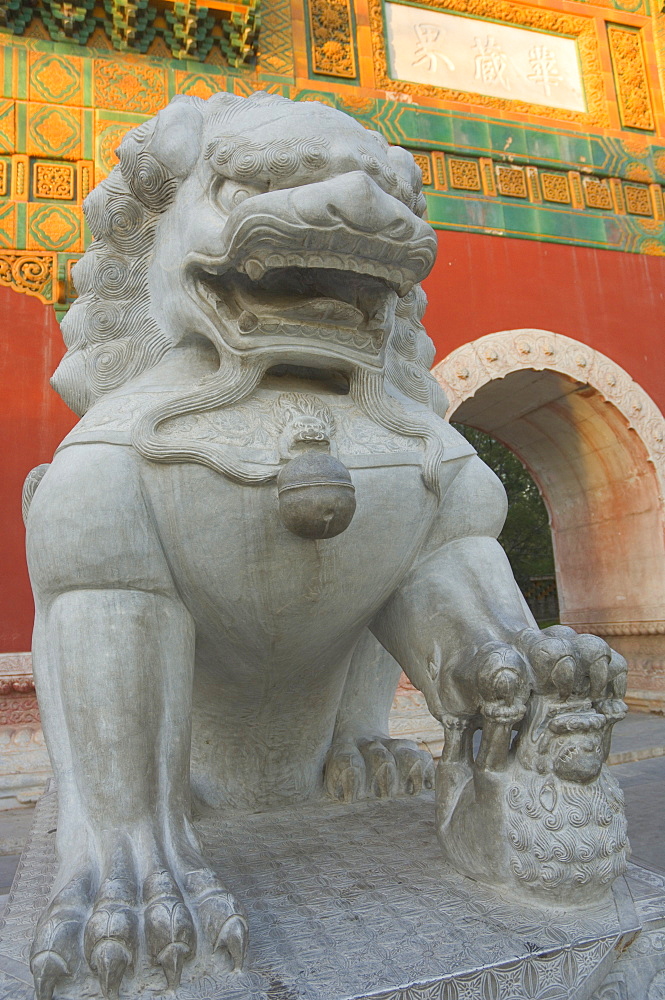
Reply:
x=498 y=60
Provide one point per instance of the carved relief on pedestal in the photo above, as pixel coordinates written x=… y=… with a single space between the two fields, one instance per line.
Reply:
x=15 y=676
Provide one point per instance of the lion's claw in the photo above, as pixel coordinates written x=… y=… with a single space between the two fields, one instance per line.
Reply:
x=233 y=937
x=111 y=937
x=223 y=926
x=55 y=949
x=47 y=968
x=344 y=774
x=169 y=929
x=171 y=959
x=415 y=770
x=110 y=960
x=377 y=767
x=380 y=768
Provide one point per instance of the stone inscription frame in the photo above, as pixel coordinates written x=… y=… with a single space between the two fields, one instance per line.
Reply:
x=581 y=29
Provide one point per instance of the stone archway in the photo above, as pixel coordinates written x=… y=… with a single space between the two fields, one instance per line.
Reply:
x=594 y=442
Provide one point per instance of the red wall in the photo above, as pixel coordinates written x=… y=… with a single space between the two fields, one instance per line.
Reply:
x=33 y=422
x=615 y=302
x=481 y=284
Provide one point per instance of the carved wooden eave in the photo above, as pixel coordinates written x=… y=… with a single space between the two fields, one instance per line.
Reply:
x=189 y=28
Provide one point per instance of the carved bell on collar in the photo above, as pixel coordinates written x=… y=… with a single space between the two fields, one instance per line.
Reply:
x=316 y=496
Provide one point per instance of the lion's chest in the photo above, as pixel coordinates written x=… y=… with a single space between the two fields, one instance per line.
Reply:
x=251 y=582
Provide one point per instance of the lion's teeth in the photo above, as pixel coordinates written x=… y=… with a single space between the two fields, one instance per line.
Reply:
x=254 y=269
x=247 y=321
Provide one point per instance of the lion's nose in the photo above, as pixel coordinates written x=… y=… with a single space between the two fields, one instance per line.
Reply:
x=342 y=218
x=360 y=204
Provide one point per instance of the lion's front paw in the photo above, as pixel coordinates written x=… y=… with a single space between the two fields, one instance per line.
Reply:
x=377 y=767
x=106 y=922
x=536 y=813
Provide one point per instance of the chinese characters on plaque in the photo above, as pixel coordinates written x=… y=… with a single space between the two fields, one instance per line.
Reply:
x=498 y=60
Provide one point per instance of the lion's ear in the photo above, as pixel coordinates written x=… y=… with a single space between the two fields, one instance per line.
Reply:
x=162 y=152
x=176 y=140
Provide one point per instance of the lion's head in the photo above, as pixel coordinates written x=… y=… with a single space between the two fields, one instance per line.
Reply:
x=281 y=233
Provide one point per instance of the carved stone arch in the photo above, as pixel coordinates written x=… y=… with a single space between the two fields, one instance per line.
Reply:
x=594 y=441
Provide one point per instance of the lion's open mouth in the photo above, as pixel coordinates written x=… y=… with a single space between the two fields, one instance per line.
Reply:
x=334 y=307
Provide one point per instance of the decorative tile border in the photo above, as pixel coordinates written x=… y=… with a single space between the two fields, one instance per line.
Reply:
x=536 y=184
x=511 y=181
x=54 y=181
x=555 y=187
x=32 y=273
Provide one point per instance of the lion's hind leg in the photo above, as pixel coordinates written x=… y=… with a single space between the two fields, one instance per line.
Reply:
x=363 y=761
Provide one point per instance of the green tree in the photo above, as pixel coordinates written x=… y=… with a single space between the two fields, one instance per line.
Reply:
x=526 y=535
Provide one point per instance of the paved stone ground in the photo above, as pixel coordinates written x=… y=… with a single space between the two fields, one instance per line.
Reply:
x=643 y=784
x=638 y=759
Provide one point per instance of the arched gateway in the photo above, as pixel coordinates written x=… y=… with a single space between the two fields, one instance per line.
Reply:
x=595 y=444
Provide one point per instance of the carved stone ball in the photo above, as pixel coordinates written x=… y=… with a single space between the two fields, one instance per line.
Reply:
x=316 y=496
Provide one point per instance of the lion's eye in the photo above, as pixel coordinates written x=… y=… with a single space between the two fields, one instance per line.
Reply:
x=230 y=194
x=240 y=195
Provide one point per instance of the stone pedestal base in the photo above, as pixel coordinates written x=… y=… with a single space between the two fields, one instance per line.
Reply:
x=355 y=902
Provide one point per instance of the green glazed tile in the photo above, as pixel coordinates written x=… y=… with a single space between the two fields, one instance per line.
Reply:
x=7 y=79
x=508 y=139
x=472 y=134
x=21 y=224
x=417 y=125
x=543 y=146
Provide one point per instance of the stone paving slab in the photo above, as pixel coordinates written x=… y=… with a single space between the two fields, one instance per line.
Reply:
x=355 y=902
x=639 y=736
x=643 y=785
x=15 y=826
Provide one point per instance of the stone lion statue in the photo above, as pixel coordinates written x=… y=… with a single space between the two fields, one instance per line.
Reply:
x=260 y=518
